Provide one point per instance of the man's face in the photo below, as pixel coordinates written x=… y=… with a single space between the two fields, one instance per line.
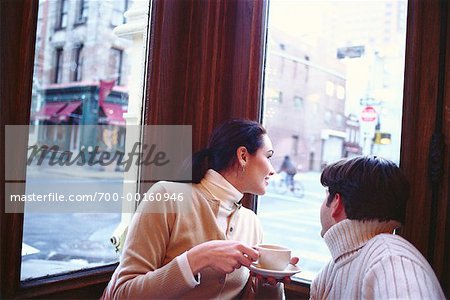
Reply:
x=325 y=216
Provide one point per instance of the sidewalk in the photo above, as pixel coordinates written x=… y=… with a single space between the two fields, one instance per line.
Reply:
x=95 y=172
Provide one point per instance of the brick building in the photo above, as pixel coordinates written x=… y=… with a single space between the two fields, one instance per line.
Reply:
x=304 y=108
x=79 y=58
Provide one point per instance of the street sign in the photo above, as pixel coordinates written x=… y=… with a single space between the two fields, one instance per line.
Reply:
x=369 y=114
x=350 y=52
x=369 y=101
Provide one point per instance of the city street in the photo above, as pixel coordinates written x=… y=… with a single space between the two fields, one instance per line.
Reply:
x=57 y=242
x=294 y=222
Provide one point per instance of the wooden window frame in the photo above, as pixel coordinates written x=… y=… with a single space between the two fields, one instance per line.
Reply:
x=207 y=66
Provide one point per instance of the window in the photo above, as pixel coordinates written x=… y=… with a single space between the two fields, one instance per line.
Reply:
x=77 y=118
x=77 y=64
x=321 y=131
x=273 y=95
x=339 y=119
x=298 y=102
x=81 y=11
x=115 y=64
x=329 y=88
x=119 y=7
x=58 y=65
x=61 y=20
x=340 y=92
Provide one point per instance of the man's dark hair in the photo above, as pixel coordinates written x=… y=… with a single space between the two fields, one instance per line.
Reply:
x=371 y=188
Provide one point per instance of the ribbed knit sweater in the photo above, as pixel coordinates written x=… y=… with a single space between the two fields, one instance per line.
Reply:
x=369 y=262
x=161 y=232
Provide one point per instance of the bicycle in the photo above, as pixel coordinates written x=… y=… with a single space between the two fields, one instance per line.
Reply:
x=296 y=187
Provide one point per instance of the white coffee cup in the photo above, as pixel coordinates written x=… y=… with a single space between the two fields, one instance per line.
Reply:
x=273 y=257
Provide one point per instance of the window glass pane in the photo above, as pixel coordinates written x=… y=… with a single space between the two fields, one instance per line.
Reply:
x=339 y=66
x=77 y=63
x=61 y=21
x=87 y=85
x=82 y=11
x=119 y=6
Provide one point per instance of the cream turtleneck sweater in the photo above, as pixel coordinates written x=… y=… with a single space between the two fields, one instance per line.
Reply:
x=151 y=265
x=369 y=262
x=219 y=188
x=224 y=191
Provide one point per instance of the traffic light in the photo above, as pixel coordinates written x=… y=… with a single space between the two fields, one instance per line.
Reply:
x=382 y=138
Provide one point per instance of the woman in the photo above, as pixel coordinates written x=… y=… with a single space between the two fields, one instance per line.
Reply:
x=195 y=248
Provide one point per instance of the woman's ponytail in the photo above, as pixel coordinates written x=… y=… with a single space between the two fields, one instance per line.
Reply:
x=223 y=144
x=200 y=164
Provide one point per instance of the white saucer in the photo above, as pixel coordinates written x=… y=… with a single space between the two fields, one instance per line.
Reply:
x=289 y=271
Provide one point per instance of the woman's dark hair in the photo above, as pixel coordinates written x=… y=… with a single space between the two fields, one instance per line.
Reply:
x=223 y=143
x=371 y=188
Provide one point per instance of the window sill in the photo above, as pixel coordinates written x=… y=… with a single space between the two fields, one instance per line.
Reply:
x=297 y=289
x=91 y=283
x=68 y=284
x=80 y=22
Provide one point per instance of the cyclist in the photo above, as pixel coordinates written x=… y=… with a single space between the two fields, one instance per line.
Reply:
x=290 y=169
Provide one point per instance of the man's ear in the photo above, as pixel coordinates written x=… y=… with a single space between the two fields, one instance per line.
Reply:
x=337 y=208
x=242 y=155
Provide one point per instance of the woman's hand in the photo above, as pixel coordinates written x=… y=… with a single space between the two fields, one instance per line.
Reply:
x=222 y=256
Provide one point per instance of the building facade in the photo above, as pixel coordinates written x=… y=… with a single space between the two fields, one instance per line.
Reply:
x=304 y=108
x=81 y=72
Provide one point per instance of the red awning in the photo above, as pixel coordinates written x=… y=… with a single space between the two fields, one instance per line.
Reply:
x=68 y=109
x=49 y=110
x=114 y=113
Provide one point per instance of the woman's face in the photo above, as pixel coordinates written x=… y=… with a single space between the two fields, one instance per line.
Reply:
x=258 y=169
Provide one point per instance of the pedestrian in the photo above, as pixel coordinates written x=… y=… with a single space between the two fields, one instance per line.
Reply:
x=201 y=247
x=365 y=202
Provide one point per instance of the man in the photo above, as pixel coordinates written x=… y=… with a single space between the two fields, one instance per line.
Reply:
x=288 y=166
x=365 y=202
